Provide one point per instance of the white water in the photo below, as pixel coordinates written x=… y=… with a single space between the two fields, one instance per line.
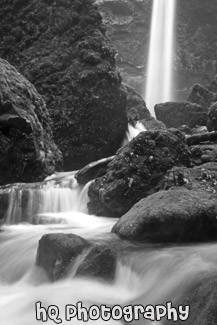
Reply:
x=145 y=274
x=159 y=84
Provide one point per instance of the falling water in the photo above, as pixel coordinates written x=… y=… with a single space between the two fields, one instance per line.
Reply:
x=159 y=86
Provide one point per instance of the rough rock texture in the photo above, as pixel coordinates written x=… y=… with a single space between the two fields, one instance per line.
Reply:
x=57 y=253
x=202 y=96
x=136 y=171
x=212 y=118
x=178 y=215
x=61 y=48
x=176 y=114
x=27 y=150
x=128 y=24
x=204 y=153
x=202 y=299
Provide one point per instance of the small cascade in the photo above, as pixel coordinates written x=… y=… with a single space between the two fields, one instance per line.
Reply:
x=133 y=131
x=159 y=84
x=57 y=194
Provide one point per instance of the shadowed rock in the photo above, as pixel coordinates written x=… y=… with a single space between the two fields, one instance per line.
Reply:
x=27 y=149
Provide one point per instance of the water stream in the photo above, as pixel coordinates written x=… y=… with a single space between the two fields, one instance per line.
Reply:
x=146 y=274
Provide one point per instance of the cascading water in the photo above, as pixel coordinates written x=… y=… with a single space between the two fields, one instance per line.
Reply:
x=159 y=83
x=145 y=274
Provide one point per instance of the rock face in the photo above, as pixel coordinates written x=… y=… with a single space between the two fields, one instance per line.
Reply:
x=62 y=49
x=136 y=170
x=176 y=114
x=178 y=215
x=57 y=253
x=27 y=150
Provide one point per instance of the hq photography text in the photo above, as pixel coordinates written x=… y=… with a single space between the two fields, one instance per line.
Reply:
x=128 y=313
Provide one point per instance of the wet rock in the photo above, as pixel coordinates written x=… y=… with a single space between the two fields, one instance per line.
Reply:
x=136 y=170
x=178 y=215
x=176 y=114
x=62 y=49
x=202 y=96
x=57 y=254
x=28 y=152
x=100 y=262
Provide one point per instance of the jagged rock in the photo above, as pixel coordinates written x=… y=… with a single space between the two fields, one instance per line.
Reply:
x=176 y=114
x=138 y=111
x=62 y=49
x=178 y=215
x=212 y=118
x=58 y=252
x=27 y=150
x=136 y=106
x=136 y=170
x=202 y=96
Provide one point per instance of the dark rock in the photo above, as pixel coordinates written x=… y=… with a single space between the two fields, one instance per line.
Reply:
x=93 y=170
x=100 y=262
x=136 y=170
x=176 y=114
x=28 y=152
x=62 y=49
x=202 y=96
x=204 y=153
x=178 y=215
x=212 y=118
x=57 y=253
x=136 y=106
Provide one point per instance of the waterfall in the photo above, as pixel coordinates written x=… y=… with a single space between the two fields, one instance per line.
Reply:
x=159 y=84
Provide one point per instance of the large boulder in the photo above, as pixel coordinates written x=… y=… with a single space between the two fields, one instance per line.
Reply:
x=183 y=210
x=57 y=254
x=27 y=150
x=178 y=215
x=176 y=114
x=61 y=47
x=136 y=170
